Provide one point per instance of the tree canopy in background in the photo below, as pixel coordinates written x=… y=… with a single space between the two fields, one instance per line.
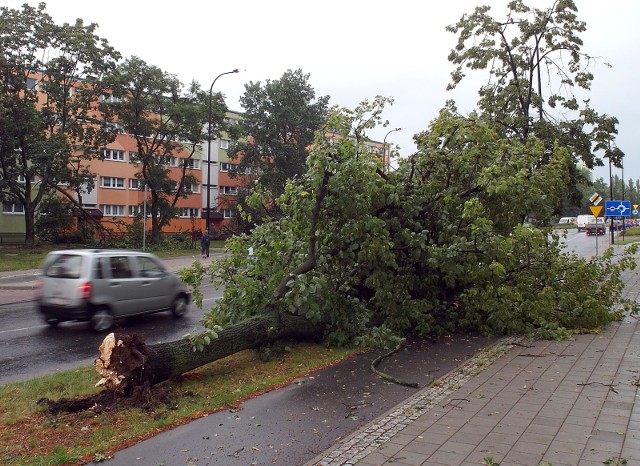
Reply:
x=538 y=83
x=47 y=143
x=166 y=121
x=277 y=127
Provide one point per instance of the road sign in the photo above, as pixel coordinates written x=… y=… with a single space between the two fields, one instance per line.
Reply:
x=618 y=208
x=595 y=199
x=596 y=210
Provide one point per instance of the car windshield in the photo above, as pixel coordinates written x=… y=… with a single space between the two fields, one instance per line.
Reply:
x=65 y=266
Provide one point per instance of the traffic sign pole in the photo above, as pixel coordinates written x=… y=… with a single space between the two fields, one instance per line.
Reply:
x=596 y=210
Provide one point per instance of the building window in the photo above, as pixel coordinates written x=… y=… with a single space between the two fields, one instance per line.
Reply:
x=112 y=126
x=193 y=164
x=32 y=84
x=109 y=98
x=228 y=213
x=135 y=183
x=112 y=210
x=111 y=182
x=188 y=212
x=112 y=154
x=224 y=166
x=229 y=190
x=192 y=188
x=169 y=161
x=133 y=156
x=12 y=208
x=135 y=210
x=224 y=144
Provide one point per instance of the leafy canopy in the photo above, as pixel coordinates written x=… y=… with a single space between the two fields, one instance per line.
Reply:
x=434 y=247
x=537 y=69
x=167 y=121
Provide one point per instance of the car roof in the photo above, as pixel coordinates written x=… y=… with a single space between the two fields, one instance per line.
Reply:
x=87 y=252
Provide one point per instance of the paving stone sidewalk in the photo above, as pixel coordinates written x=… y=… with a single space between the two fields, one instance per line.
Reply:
x=560 y=403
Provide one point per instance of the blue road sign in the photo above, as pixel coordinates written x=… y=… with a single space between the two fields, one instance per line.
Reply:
x=618 y=208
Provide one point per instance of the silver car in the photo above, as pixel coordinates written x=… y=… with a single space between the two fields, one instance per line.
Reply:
x=101 y=285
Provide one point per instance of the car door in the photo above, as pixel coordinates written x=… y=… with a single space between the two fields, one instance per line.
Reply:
x=124 y=287
x=154 y=285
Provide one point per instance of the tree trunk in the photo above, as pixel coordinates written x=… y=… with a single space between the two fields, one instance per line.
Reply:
x=126 y=363
x=29 y=227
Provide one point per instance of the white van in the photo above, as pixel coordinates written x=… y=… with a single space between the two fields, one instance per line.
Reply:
x=583 y=220
x=567 y=220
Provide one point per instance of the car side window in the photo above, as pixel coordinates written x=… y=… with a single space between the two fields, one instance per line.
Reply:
x=98 y=268
x=149 y=268
x=120 y=267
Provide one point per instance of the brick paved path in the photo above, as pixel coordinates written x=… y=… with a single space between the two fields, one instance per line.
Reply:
x=519 y=403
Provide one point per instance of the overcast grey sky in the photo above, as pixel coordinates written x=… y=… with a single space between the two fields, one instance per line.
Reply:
x=353 y=50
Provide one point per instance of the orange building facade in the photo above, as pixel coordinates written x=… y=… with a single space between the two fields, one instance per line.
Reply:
x=117 y=198
x=118 y=194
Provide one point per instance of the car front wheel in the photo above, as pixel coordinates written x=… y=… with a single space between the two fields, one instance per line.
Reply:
x=180 y=306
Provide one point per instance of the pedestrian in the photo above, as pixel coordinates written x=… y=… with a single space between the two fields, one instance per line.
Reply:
x=204 y=244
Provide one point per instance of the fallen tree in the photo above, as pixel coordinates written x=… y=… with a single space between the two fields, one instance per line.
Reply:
x=126 y=363
x=366 y=256
x=395 y=254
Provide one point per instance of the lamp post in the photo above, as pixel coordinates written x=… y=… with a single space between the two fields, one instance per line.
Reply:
x=611 y=224
x=209 y=144
x=384 y=148
x=624 y=220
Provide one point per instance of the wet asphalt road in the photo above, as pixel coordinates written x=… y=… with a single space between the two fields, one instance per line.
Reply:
x=294 y=424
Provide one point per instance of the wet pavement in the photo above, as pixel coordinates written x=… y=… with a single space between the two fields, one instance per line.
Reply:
x=293 y=424
x=560 y=403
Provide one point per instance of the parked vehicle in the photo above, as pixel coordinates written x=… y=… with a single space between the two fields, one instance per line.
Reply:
x=595 y=226
x=100 y=285
x=582 y=220
x=618 y=225
x=567 y=220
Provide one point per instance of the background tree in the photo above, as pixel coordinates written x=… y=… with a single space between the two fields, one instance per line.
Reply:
x=278 y=128
x=55 y=222
x=166 y=121
x=536 y=63
x=41 y=133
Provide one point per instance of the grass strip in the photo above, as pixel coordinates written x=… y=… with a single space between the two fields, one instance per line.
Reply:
x=29 y=435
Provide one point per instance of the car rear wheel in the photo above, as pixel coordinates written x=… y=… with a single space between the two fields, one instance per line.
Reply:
x=180 y=306
x=52 y=321
x=101 y=320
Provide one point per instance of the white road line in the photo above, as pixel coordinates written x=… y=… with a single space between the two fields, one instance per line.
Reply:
x=22 y=329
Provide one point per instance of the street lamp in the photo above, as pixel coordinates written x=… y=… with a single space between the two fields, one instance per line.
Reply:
x=209 y=145
x=384 y=148
x=612 y=233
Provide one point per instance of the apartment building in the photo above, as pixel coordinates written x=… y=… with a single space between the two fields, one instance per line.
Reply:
x=118 y=197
